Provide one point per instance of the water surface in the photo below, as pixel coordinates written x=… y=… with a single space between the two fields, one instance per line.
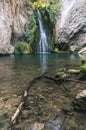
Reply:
x=15 y=73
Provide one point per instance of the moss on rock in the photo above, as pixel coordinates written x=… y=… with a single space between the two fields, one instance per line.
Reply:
x=82 y=75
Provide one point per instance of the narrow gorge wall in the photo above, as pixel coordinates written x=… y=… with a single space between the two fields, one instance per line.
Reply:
x=12 y=22
x=71 y=27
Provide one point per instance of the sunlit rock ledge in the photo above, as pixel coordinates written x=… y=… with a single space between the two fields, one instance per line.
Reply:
x=12 y=22
x=71 y=27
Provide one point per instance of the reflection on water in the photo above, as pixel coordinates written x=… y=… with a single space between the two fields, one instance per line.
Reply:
x=48 y=61
x=31 y=65
x=21 y=68
x=43 y=62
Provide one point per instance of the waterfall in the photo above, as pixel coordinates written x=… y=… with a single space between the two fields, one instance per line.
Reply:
x=66 y=8
x=43 y=43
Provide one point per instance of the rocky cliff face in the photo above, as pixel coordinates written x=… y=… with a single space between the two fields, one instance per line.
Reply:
x=71 y=27
x=12 y=22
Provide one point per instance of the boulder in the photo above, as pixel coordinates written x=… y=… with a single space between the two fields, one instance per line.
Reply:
x=71 y=26
x=82 y=51
x=80 y=101
x=12 y=23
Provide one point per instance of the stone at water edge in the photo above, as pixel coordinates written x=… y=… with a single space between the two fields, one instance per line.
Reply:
x=81 y=94
x=80 y=101
x=6 y=49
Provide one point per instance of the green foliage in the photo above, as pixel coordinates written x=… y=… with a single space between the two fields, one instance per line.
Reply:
x=52 y=7
x=40 y=4
x=50 y=10
x=82 y=75
x=22 y=48
x=29 y=33
x=83 y=62
x=56 y=50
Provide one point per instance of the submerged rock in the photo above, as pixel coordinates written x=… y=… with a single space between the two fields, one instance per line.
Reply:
x=54 y=124
x=36 y=126
x=71 y=27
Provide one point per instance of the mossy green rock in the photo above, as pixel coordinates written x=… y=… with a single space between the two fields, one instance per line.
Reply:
x=22 y=48
x=82 y=75
x=56 y=50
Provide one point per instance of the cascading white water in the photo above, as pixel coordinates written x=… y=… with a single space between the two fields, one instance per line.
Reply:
x=66 y=8
x=43 y=43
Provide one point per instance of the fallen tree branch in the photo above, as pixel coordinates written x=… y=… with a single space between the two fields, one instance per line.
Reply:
x=61 y=80
x=16 y=114
x=73 y=80
x=57 y=80
x=24 y=98
x=34 y=80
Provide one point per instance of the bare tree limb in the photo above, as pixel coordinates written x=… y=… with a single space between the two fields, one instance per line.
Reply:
x=24 y=98
x=64 y=79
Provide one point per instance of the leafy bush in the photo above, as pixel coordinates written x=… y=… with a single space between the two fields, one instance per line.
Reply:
x=29 y=33
x=22 y=48
x=82 y=75
x=53 y=9
x=40 y=4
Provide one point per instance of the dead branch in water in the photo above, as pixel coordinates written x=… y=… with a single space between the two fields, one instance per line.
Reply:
x=24 y=98
x=15 y=116
x=58 y=80
x=76 y=81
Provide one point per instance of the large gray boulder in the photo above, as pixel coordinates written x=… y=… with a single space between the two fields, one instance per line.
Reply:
x=71 y=26
x=12 y=22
